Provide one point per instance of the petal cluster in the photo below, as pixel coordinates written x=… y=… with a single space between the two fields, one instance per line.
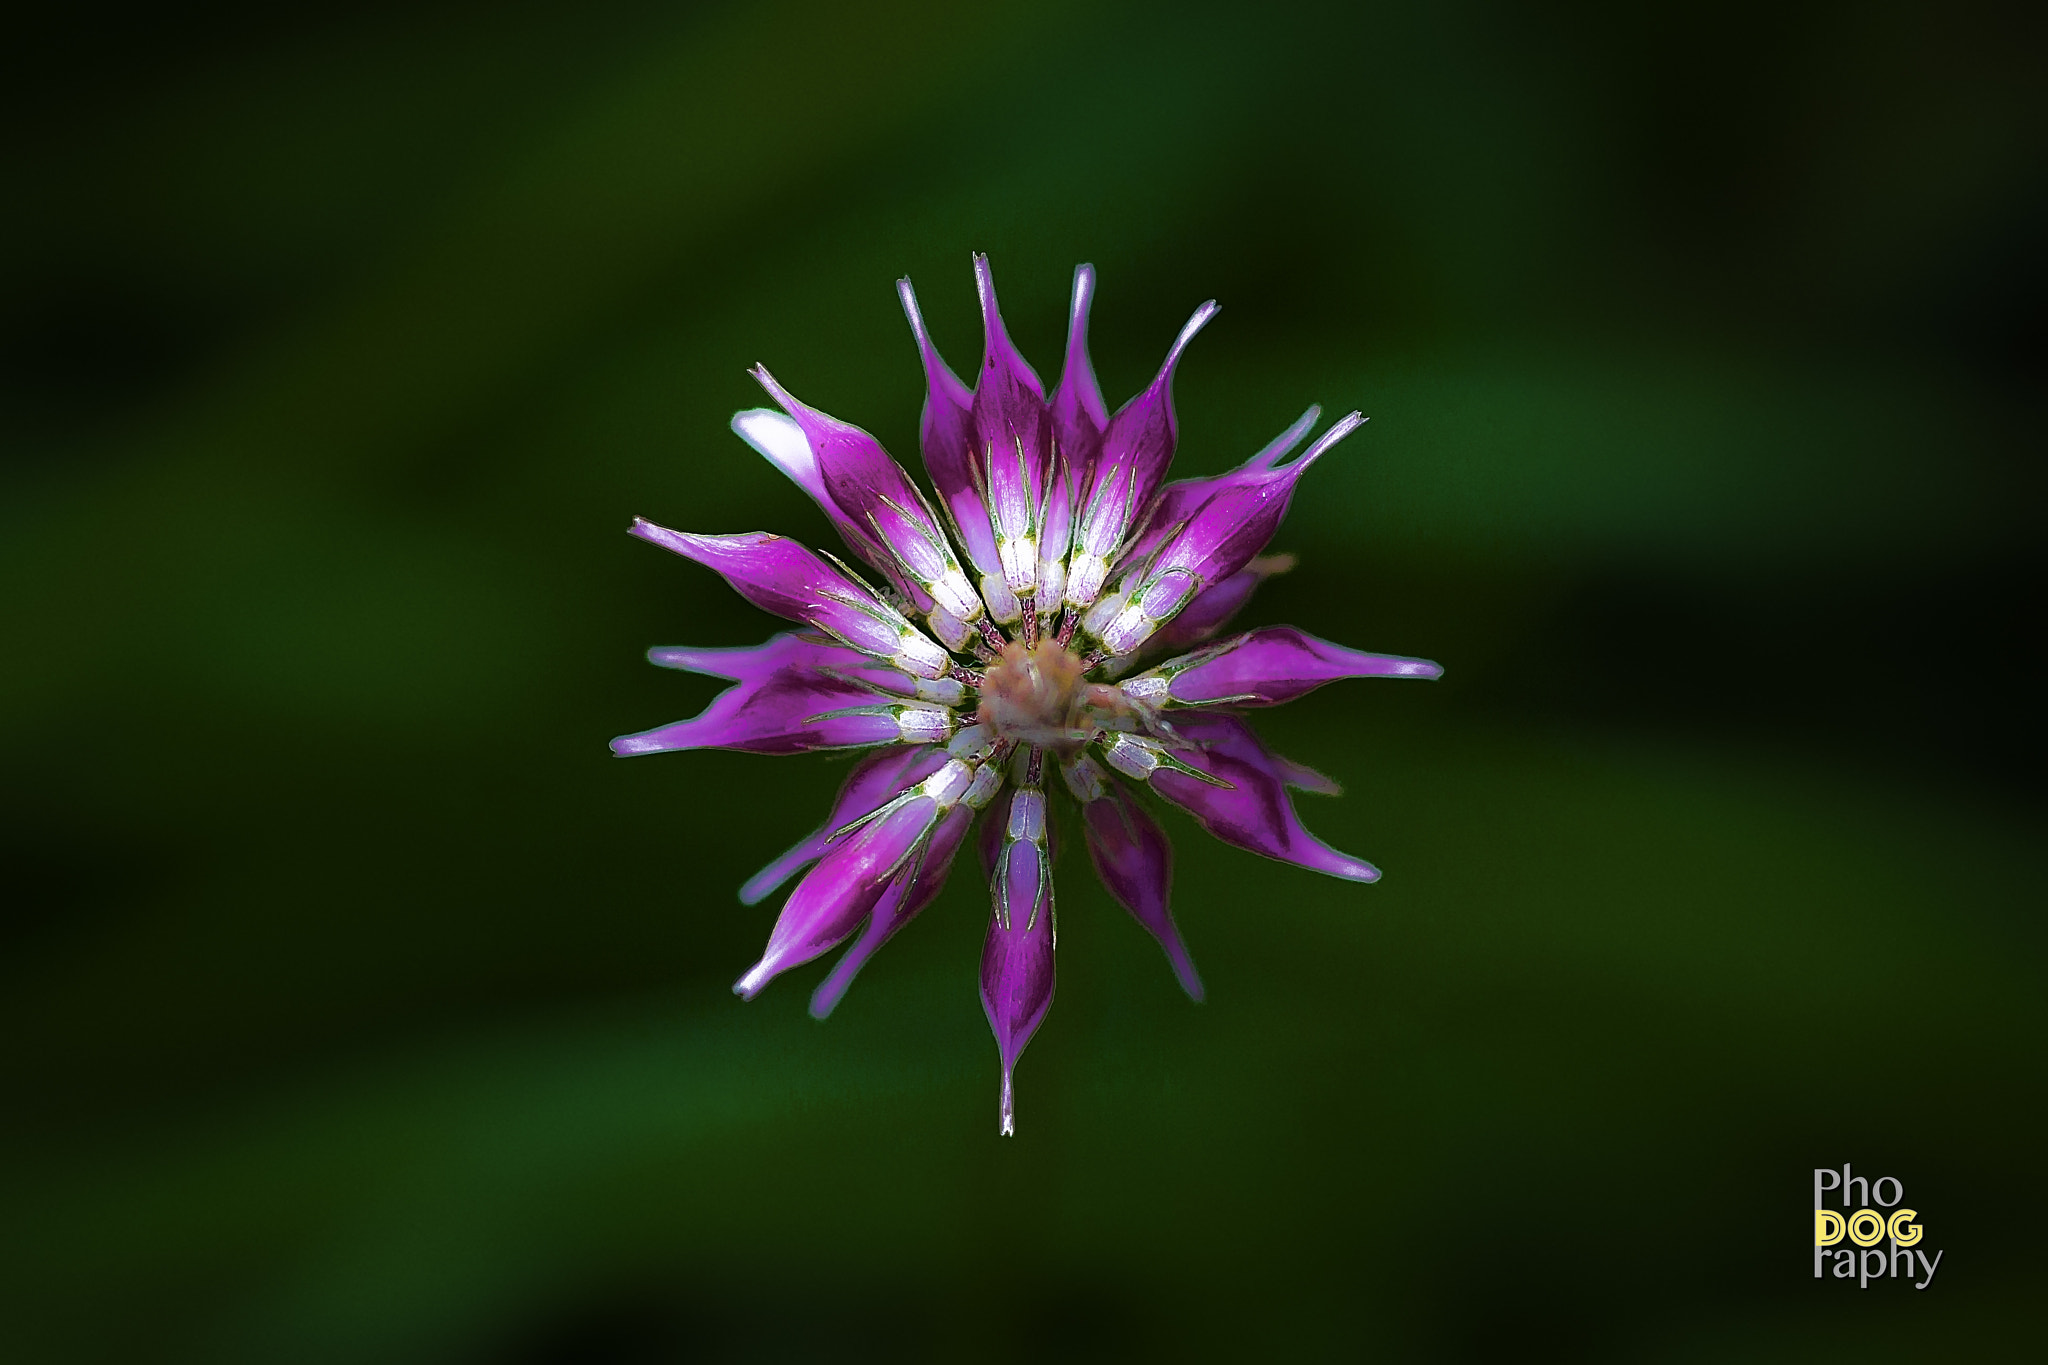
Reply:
x=1045 y=626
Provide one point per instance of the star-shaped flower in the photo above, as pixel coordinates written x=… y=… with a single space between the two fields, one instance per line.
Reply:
x=1055 y=605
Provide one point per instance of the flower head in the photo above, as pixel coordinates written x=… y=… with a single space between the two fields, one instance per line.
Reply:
x=1047 y=626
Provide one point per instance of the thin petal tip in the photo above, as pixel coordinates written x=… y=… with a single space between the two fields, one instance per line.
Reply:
x=1194 y=324
x=995 y=335
x=1342 y=427
x=774 y=388
x=750 y=985
x=762 y=884
x=911 y=312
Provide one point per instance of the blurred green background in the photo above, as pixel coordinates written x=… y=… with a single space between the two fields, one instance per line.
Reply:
x=358 y=1006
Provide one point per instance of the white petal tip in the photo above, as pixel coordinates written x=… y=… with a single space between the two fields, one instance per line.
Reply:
x=1342 y=427
x=1187 y=333
x=910 y=311
x=749 y=986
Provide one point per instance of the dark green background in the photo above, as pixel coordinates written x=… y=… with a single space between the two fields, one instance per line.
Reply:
x=358 y=1007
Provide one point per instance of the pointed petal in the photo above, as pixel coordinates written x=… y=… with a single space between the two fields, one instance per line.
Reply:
x=1212 y=608
x=837 y=894
x=792 y=711
x=781 y=576
x=1055 y=539
x=1078 y=413
x=871 y=490
x=1181 y=499
x=914 y=888
x=1277 y=664
x=1078 y=418
x=1017 y=966
x=1235 y=524
x=1215 y=542
x=1254 y=812
x=946 y=437
x=1137 y=446
x=875 y=779
x=1135 y=862
x=1013 y=436
x=773 y=572
x=783 y=443
x=988 y=840
x=751 y=663
x=1139 y=441
x=848 y=463
x=1000 y=356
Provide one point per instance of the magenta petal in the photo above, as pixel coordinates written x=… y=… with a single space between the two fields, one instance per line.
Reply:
x=1013 y=436
x=1139 y=441
x=791 y=695
x=1212 y=608
x=773 y=572
x=1078 y=413
x=1254 y=812
x=792 y=711
x=1000 y=357
x=946 y=436
x=851 y=464
x=1237 y=521
x=1055 y=533
x=913 y=889
x=871 y=490
x=1017 y=969
x=1181 y=499
x=785 y=446
x=837 y=894
x=781 y=576
x=752 y=663
x=1137 y=446
x=988 y=839
x=1135 y=862
x=875 y=779
x=1277 y=664
x=1220 y=537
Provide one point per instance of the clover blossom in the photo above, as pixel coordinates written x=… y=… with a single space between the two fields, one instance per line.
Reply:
x=1016 y=647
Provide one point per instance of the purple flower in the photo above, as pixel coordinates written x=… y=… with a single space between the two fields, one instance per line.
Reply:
x=1023 y=624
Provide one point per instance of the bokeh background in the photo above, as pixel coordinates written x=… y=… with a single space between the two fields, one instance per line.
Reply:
x=357 y=1006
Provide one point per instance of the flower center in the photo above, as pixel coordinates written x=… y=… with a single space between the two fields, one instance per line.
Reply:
x=1037 y=695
